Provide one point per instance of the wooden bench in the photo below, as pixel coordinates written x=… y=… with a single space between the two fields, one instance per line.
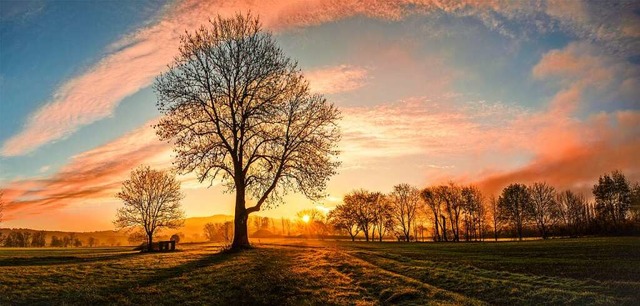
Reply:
x=165 y=246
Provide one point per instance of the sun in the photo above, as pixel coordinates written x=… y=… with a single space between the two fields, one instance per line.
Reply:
x=306 y=218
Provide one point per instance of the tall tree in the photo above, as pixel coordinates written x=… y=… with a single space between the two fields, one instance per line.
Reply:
x=239 y=110
x=573 y=211
x=544 y=207
x=496 y=216
x=613 y=198
x=151 y=200
x=405 y=200
x=473 y=211
x=430 y=197
x=451 y=196
x=515 y=205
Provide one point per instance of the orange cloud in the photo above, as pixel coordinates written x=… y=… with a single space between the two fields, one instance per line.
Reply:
x=91 y=176
x=614 y=145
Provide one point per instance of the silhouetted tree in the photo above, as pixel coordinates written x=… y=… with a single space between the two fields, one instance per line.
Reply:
x=38 y=239
x=363 y=203
x=344 y=217
x=515 y=206
x=18 y=239
x=383 y=216
x=613 y=198
x=431 y=198
x=405 y=200
x=91 y=242
x=473 y=212
x=544 y=207
x=210 y=231
x=634 y=207
x=56 y=242
x=1 y=204
x=451 y=196
x=151 y=201
x=496 y=216
x=237 y=109
x=573 y=211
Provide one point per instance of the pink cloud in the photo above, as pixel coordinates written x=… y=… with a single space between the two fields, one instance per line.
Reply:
x=336 y=79
x=142 y=55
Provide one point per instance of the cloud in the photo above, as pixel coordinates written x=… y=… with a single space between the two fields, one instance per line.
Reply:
x=570 y=151
x=90 y=177
x=336 y=79
x=140 y=56
x=420 y=126
x=613 y=145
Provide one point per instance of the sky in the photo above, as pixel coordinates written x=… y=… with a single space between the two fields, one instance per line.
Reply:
x=477 y=92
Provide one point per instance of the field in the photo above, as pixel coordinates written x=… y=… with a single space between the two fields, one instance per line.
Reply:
x=297 y=272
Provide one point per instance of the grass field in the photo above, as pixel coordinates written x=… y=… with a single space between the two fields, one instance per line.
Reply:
x=292 y=272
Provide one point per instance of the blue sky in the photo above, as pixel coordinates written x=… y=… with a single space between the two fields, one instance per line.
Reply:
x=479 y=93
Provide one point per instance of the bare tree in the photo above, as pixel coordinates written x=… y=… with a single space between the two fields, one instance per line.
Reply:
x=238 y=110
x=344 y=217
x=405 y=200
x=451 y=196
x=431 y=198
x=515 y=206
x=473 y=212
x=544 y=207
x=363 y=203
x=1 y=205
x=496 y=216
x=573 y=211
x=151 y=201
x=383 y=216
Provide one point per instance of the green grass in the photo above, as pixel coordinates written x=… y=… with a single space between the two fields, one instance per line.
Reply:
x=287 y=272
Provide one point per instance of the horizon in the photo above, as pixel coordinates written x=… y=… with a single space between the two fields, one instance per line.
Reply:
x=486 y=94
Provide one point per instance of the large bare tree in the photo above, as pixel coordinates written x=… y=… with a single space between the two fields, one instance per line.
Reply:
x=239 y=111
x=151 y=201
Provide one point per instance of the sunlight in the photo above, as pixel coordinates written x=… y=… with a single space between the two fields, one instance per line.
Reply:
x=306 y=218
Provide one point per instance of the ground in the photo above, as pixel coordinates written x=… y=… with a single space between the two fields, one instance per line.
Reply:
x=297 y=272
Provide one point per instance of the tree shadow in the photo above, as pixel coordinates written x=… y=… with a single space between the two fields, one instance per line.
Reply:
x=61 y=260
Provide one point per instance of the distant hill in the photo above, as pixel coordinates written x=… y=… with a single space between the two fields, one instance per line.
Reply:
x=191 y=231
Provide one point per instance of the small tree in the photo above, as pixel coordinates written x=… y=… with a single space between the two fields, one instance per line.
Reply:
x=343 y=217
x=151 y=201
x=515 y=205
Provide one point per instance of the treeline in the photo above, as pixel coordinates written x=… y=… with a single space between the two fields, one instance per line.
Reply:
x=454 y=212
x=18 y=238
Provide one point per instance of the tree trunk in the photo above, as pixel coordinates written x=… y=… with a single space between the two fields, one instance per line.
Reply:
x=240 y=233
x=150 y=245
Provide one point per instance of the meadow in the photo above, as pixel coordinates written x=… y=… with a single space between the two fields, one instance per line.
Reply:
x=601 y=271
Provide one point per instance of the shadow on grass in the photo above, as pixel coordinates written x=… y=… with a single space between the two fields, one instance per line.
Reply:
x=61 y=260
x=250 y=277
